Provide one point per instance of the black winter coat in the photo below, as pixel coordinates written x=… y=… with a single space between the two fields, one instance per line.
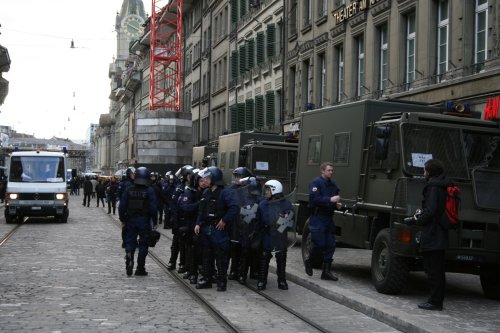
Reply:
x=433 y=218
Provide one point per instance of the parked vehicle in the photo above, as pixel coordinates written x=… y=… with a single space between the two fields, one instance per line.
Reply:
x=378 y=149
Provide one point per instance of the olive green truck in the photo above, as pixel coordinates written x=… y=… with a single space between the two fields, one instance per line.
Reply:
x=378 y=149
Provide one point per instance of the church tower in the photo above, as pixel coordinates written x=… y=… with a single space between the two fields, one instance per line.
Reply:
x=128 y=26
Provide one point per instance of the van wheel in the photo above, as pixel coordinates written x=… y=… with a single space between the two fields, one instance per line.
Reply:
x=490 y=283
x=306 y=246
x=64 y=217
x=389 y=272
x=10 y=219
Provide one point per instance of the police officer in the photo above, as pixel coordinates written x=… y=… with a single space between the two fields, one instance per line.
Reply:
x=323 y=200
x=124 y=184
x=138 y=210
x=218 y=209
x=167 y=190
x=175 y=247
x=274 y=218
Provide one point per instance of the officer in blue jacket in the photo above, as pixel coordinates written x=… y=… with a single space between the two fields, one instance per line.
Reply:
x=217 y=210
x=122 y=187
x=138 y=210
x=324 y=199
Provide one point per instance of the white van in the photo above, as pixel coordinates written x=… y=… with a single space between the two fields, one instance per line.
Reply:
x=36 y=186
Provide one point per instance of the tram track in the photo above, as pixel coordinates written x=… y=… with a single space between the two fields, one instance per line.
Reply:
x=10 y=233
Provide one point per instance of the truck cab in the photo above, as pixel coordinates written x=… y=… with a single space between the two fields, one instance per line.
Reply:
x=36 y=186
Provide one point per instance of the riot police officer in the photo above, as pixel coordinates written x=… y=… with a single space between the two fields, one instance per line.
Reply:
x=175 y=248
x=247 y=192
x=124 y=184
x=167 y=190
x=138 y=211
x=218 y=209
x=275 y=217
x=324 y=199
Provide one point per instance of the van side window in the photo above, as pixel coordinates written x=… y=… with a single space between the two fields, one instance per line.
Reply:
x=314 y=150
x=341 y=144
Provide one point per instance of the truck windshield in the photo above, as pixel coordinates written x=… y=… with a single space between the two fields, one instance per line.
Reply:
x=40 y=169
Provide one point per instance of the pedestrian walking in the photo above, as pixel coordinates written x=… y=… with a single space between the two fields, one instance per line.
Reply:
x=324 y=199
x=87 y=191
x=434 y=237
x=138 y=212
x=100 y=191
x=111 y=195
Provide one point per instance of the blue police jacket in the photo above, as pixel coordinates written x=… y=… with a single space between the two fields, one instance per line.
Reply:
x=320 y=192
x=152 y=210
x=226 y=204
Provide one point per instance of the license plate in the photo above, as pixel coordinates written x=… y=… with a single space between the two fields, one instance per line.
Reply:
x=465 y=257
x=36 y=208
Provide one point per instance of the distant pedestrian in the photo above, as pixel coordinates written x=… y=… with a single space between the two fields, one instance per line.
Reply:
x=434 y=237
x=100 y=191
x=111 y=191
x=324 y=199
x=87 y=191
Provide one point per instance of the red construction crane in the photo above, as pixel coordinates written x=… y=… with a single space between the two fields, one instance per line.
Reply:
x=166 y=55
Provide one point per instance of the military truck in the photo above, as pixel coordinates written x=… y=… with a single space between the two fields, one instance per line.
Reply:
x=231 y=155
x=202 y=155
x=378 y=149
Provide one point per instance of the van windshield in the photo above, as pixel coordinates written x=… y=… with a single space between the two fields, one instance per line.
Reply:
x=39 y=169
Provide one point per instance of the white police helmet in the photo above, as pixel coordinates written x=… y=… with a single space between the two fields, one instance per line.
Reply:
x=275 y=186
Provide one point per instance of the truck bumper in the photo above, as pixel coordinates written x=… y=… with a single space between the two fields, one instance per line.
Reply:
x=34 y=209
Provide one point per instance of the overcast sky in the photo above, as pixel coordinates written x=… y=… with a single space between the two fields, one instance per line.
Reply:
x=55 y=90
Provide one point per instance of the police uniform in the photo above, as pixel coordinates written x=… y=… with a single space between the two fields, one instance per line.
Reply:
x=321 y=223
x=175 y=246
x=215 y=205
x=138 y=210
x=122 y=188
x=273 y=241
x=167 y=192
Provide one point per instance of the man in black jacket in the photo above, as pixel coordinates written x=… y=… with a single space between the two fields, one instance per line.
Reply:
x=87 y=191
x=434 y=238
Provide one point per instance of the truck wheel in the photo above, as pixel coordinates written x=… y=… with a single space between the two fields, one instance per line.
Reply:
x=490 y=283
x=10 y=219
x=306 y=246
x=389 y=272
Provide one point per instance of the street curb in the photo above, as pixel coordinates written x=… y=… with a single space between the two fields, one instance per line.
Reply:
x=391 y=316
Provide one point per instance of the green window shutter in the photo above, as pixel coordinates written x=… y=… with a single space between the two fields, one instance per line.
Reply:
x=249 y=114
x=270 y=108
x=234 y=64
x=234 y=118
x=243 y=7
x=259 y=111
x=234 y=11
x=260 y=48
x=271 y=40
x=243 y=58
x=251 y=53
x=241 y=117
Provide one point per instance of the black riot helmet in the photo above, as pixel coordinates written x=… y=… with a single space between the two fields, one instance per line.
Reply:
x=214 y=173
x=129 y=172
x=142 y=175
x=242 y=172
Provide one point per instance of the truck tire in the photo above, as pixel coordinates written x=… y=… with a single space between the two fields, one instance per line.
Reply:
x=306 y=246
x=64 y=217
x=389 y=272
x=10 y=219
x=490 y=283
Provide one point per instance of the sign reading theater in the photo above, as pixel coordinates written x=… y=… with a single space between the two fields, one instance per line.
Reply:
x=352 y=9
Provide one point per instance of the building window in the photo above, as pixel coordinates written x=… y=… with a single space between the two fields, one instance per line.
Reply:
x=322 y=8
x=360 y=70
x=442 y=38
x=481 y=36
x=307 y=13
x=322 y=79
x=410 y=50
x=384 y=57
x=340 y=73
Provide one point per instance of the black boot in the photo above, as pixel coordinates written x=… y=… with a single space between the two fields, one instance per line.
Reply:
x=129 y=263
x=141 y=267
x=308 y=266
x=281 y=269
x=221 y=260
x=263 y=270
x=243 y=269
x=206 y=281
x=327 y=274
x=235 y=261
x=174 y=252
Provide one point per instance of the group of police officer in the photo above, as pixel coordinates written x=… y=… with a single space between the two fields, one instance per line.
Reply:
x=211 y=224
